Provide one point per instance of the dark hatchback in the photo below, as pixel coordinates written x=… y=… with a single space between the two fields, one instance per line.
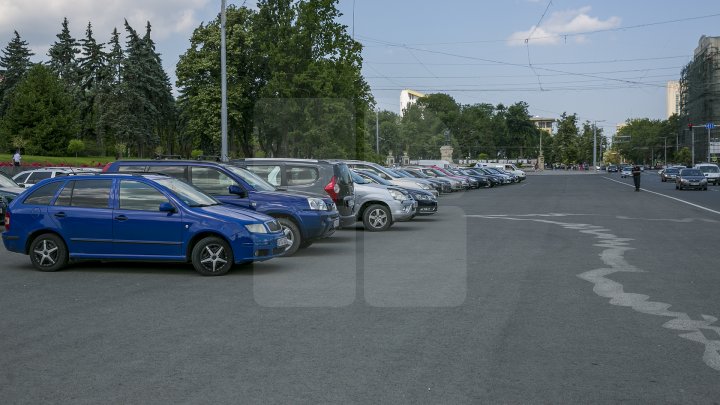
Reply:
x=691 y=178
x=133 y=217
x=305 y=217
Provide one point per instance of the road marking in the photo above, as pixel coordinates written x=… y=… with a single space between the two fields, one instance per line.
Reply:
x=667 y=196
x=614 y=257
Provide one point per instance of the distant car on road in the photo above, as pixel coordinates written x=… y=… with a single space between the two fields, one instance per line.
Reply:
x=626 y=171
x=612 y=169
x=669 y=174
x=711 y=172
x=691 y=178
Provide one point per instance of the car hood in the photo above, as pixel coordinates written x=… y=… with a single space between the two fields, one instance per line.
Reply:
x=13 y=190
x=234 y=213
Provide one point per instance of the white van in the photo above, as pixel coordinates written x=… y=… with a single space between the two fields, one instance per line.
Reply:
x=508 y=167
x=711 y=172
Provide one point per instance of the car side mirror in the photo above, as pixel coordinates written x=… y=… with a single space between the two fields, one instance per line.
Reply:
x=167 y=207
x=235 y=189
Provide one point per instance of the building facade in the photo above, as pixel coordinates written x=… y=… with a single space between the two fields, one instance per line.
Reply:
x=672 y=98
x=407 y=98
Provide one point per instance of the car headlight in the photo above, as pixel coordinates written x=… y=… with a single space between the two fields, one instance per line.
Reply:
x=423 y=186
x=397 y=195
x=419 y=196
x=317 y=204
x=256 y=228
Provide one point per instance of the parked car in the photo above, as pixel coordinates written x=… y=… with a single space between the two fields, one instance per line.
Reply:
x=441 y=185
x=434 y=187
x=315 y=176
x=495 y=179
x=305 y=217
x=378 y=206
x=482 y=181
x=508 y=167
x=669 y=174
x=456 y=184
x=426 y=202
x=136 y=217
x=711 y=172
x=626 y=171
x=9 y=190
x=691 y=178
x=388 y=175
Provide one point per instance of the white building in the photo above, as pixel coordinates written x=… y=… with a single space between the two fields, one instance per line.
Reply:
x=672 y=99
x=407 y=98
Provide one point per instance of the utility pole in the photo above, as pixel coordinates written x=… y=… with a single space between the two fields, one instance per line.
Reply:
x=223 y=88
x=377 y=130
x=595 y=143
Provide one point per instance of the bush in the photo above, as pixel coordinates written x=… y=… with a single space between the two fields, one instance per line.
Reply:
x=75 y=146
x=195 y=153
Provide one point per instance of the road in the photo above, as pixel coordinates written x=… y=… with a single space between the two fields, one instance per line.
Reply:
x=562 y=289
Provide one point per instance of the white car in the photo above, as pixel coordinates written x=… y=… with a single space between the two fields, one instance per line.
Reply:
x=711 y=172
x=626 y=171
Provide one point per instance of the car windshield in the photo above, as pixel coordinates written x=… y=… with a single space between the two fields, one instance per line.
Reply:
x=357 y=178
x=709 y=169
x=251 y=178
x=187 y=193
x=671 y=171
x=6 y=182
x=691 y=172
x=375 y=178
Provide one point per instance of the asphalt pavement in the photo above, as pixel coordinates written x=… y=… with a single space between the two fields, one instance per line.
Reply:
x=560 y=289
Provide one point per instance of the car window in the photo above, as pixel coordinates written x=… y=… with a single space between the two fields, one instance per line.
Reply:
x=43 y=195
x=343 y=174
x=269 y=173
x=301 y=175
x=86 y=194
x=135 y=195
x=36 y=177
x=129 y=169
x=251 y=178
x=357 y=179
x=175 y=171
x=189 y=194
x=211 y=180
x=20 y=178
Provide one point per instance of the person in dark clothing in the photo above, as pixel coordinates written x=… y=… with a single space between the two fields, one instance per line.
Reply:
x=636 y=176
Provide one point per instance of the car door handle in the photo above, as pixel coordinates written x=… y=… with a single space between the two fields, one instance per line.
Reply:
x=60 y=214
x=121 y=218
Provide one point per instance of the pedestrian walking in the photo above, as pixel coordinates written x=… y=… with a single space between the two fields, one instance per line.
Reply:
x=16 y=158
x=636 y=176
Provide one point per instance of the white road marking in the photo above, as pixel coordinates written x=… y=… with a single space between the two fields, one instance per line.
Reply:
x=613 y=256
x=666 y=196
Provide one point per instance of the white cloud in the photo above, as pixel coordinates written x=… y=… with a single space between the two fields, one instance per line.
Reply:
x=552 y=30
x=38 y=21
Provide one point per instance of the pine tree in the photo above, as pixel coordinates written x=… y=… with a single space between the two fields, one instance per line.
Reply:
x=14 y=63
x=92 y=71
x=62 y=56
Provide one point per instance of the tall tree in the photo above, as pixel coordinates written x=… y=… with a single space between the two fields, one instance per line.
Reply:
x=42 y=112
x=14 y=62
x=566 y=139
x=62 y=55
x=92 y=73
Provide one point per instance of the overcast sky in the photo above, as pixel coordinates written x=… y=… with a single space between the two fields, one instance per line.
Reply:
x=606 y=60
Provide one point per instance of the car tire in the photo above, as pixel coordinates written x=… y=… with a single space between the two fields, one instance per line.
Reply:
x=377 y=218
x=292 y=233
x=306 y=243
x=212 y=256
x=48 y=252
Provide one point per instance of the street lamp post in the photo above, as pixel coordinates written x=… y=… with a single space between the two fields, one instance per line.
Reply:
x=595 y=143
x=223 y=88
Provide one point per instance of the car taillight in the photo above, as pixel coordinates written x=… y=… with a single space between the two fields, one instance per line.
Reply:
x=333 y=188
x=7 y=220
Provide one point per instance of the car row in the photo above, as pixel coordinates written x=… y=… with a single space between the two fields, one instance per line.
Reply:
x=213 y=214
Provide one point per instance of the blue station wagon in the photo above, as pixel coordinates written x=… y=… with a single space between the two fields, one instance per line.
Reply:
x=305 y=217
x=136 y=217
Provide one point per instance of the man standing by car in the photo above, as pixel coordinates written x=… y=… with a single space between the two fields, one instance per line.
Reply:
x=16 y=158
x=636 y=176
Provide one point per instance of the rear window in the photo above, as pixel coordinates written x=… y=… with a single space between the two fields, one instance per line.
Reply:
x=269 y=173
x=130 y=169
x=302 y=175
x=86 y=194
x=342 y=171
x=709 y=169
x=43 y=195
x=36 y=177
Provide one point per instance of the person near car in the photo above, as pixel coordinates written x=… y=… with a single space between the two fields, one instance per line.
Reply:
x=16 y=158
x=636 y=176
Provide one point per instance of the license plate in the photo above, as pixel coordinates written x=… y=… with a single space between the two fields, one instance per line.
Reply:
x=283 y=242
x=694 y=183
x=336 y=223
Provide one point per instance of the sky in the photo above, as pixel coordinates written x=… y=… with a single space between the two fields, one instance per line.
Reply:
x=605 y=60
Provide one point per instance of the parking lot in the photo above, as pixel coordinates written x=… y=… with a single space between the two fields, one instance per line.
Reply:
x=563 y=288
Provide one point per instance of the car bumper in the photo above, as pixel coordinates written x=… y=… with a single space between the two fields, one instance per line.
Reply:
x=258 y=247
x=403 y=211
x=426 y=207
x=319 y=224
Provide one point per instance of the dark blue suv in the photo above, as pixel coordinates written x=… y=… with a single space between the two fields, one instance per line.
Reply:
x=305 y=217
x=134 y=217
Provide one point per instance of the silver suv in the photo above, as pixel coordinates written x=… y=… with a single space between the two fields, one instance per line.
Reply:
x=378 y=206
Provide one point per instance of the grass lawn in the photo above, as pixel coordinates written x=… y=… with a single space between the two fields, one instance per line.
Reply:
x=83 y=161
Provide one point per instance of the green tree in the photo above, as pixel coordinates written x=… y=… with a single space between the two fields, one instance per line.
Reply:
x=14 y=62
x=75 y=146
x=93 y=72
x=42 y=112
x=565 y=142
x=63 y=59
x=684 y=156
